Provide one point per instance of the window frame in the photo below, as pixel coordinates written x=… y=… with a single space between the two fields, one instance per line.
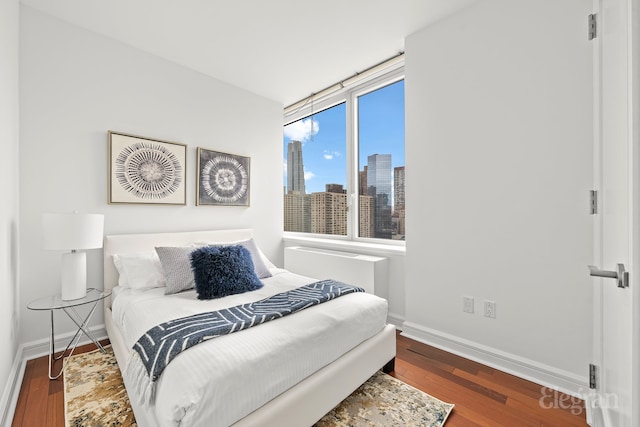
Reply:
x=349 y=96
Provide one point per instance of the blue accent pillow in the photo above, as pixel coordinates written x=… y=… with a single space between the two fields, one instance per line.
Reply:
x=220 y=271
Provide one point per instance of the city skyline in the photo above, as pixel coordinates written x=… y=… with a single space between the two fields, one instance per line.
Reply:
x=323 y=137
x=326 y=212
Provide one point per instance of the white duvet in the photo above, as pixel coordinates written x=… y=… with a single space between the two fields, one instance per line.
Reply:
x=220 y=381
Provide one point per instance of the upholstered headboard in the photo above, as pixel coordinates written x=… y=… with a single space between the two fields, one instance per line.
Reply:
x=136 y=243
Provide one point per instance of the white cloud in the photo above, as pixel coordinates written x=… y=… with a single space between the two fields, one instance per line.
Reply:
x=329 y=155
x=302 y=130
x=308 y=175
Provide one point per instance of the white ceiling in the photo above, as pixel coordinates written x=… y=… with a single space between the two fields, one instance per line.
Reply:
x=280 y=49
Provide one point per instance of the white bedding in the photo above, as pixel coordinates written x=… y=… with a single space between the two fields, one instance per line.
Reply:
x=222 y=380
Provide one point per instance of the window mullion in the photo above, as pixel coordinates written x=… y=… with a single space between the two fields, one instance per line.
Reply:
x=352 y=168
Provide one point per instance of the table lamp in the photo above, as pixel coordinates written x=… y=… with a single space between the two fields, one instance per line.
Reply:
x=73 y=232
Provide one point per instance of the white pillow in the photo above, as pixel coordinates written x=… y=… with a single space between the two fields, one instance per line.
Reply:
x=175 y=263
x=261 y=263
x=140 y=270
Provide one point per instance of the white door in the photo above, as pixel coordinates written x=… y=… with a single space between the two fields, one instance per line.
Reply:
x=616 y=333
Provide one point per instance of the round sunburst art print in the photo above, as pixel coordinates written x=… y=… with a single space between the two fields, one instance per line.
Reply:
x=223 y=179
x=145 y=171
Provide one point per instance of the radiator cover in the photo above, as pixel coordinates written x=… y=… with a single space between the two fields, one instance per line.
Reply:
x=368 y=272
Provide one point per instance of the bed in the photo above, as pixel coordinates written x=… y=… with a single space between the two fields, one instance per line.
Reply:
x=239 y=379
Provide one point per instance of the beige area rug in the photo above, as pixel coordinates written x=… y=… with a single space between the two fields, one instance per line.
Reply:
x=94 y=395
x=386 y=401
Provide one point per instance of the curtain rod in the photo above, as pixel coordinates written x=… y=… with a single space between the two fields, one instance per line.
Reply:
x=344 y=83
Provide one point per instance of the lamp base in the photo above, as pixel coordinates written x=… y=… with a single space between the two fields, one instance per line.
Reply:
x=74 y=276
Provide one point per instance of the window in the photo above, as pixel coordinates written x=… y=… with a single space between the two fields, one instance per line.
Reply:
x=351 y=149
x=380 y=141
x=315 y=200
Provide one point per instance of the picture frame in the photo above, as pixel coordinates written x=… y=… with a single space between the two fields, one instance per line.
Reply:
x=145 y=171
x=223 y=179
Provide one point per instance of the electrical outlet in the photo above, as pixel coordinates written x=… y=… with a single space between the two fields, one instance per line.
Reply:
x=490 y=309
x=467 y=304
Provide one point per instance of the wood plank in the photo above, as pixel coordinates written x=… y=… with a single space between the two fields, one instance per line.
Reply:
x=545 y=399
x=38 y=394
x=21 y=404
x=435 y=354
x=55 y=403
x=434 y=366
x=528 y=387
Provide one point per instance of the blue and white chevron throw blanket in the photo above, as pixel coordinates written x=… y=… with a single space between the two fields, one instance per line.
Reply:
x=162 y=343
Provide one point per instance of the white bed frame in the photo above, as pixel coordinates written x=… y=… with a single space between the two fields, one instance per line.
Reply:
x=301 y=405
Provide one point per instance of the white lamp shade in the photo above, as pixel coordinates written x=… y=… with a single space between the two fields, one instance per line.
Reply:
x=71 y=231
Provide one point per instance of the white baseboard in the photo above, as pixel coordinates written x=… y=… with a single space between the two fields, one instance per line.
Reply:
x=12 y=389
x=40 y=347
x=539 y=373
x=32 y=350
x=396 y=320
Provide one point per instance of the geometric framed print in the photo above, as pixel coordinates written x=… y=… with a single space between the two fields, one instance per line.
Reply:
x=222 y=179
x=145 y=171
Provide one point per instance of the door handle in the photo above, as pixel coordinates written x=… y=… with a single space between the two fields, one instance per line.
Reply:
x=620 y=274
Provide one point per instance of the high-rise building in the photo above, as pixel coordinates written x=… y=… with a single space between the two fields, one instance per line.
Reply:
x=335 y=188
x=297 y=212
x=398 y=201
x=362 y=182
x=295 y=168
x=366 y=216
x=329 y=213
x=379 y=187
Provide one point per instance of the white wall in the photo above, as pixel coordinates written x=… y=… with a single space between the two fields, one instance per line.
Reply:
x=9 y=333
x=74 y=87
x=499 y=164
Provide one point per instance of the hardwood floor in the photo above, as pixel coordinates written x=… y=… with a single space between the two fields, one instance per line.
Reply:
x=483 y=396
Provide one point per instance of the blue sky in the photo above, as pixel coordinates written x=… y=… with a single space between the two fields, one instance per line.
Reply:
x=381 y=131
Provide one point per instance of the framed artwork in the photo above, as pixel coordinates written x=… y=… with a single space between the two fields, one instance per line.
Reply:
x=223 y=179
x=145 y=171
